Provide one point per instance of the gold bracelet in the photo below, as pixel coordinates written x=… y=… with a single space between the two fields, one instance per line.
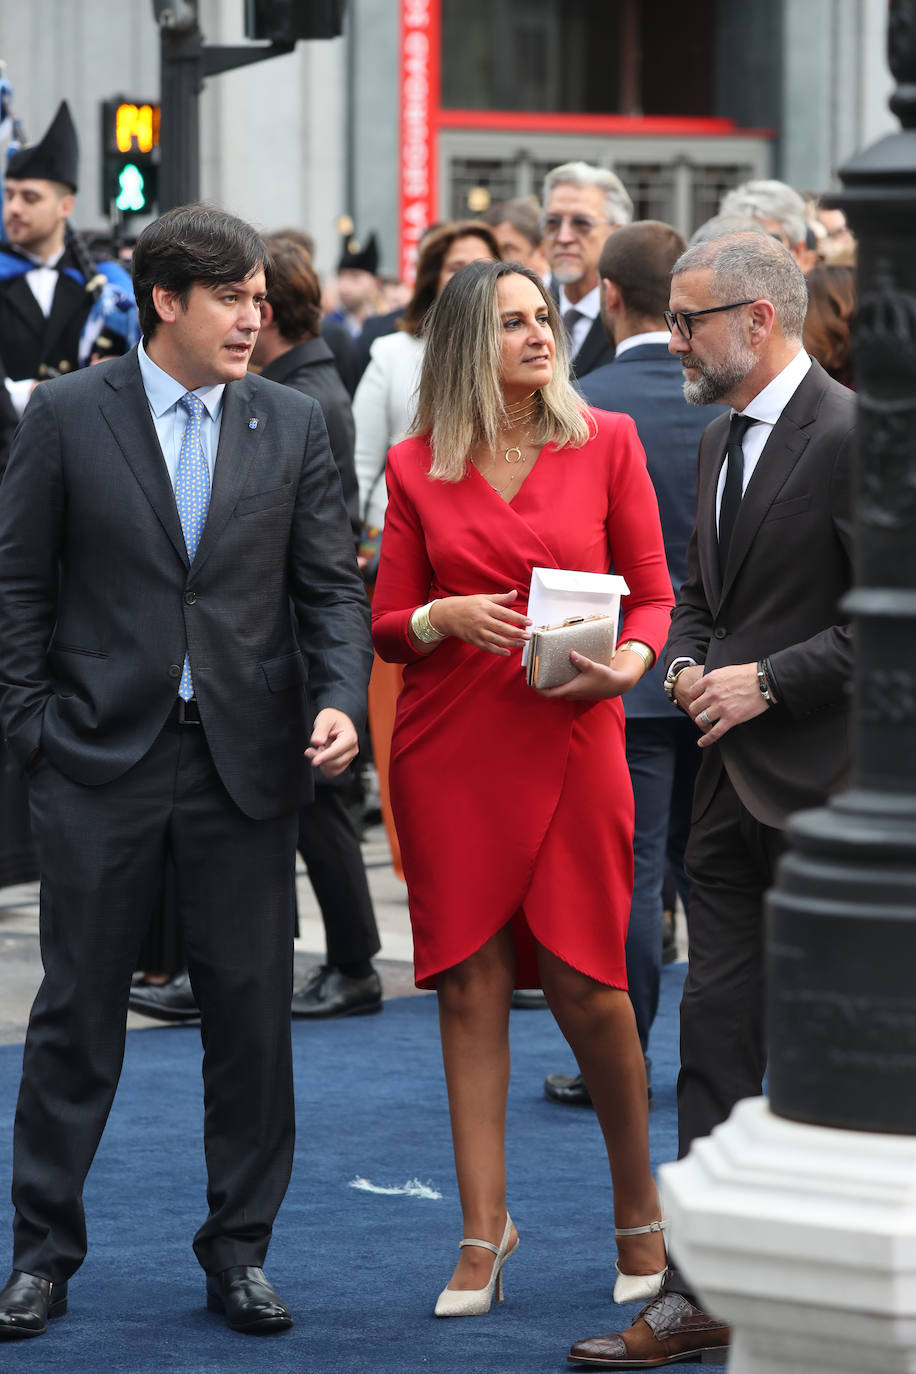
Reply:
x=422 y=628
x=636 y=646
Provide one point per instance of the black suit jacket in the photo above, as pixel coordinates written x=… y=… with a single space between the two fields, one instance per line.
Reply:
x=596 y=351
x=98 y=603
x=310 y=368
x=28 y=341
x=789 y=566
x=647 y=382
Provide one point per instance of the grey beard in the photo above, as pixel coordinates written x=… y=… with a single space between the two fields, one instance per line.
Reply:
x=715 y=383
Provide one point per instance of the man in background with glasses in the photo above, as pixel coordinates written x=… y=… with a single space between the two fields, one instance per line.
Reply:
x=760 y=658
x=582 y=204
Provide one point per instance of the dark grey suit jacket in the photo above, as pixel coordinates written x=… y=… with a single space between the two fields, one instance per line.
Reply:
x=596 y=350
x=789 y=566
x=311 y=369
x=98 y=603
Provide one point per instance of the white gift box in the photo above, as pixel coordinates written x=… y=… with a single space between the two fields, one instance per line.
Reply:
x=557 y=594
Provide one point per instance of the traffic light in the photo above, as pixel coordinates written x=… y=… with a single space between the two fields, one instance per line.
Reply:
x=130 y=156
x=285 y=21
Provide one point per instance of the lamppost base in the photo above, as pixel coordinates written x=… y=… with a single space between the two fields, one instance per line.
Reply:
x=803 y=1238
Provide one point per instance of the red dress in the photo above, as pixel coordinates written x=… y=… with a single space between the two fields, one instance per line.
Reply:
x=510 y=807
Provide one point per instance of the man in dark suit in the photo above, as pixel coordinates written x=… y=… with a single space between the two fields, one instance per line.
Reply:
x=645 y=381
x=582 y=204
x=290 y=350
x=164 y=652
x=760 y=658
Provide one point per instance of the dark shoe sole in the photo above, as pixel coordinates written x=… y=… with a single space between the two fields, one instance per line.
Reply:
x=571 y=1101
x=712 y=1354
x=13 y=1333
x=335 y=1015
x=261 y=1326
x=174 y=1017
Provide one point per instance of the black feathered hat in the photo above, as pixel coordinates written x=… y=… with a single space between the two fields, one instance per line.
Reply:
x=55 y=158
x=359 y=257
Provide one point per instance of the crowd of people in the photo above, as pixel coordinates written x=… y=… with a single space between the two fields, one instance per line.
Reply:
x=191 y=537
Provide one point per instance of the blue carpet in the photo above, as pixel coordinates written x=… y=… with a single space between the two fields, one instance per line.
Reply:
x=360 y=1270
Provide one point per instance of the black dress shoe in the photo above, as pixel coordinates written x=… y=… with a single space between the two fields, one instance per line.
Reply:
x=328 y=992
x=529 y=999
x=26 y=1304
x=171 y=1001
x=249 y=1304
x=568 y=1090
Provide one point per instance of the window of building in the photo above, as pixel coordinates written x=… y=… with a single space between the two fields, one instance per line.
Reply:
x=580 y=56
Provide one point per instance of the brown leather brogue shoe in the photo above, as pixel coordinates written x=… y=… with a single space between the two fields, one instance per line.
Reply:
x=668 y=1330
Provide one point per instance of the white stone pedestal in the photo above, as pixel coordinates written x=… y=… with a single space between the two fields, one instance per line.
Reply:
x=804 y=1239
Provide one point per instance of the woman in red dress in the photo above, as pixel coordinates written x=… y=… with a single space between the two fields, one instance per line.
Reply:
x=514 y=807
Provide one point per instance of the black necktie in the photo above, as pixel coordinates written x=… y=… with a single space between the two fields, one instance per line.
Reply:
x=571 y=317
x=734 y=484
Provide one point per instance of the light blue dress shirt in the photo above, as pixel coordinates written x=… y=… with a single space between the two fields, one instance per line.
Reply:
x=170 y=418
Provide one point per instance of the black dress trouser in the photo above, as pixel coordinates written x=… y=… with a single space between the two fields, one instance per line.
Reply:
x=102 y=853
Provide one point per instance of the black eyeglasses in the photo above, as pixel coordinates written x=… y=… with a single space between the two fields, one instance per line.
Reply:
x=682 y=320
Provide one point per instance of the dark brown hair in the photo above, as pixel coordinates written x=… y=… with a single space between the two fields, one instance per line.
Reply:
x=191 y=245
x=638 y=259
x=828 y=324
x=522 y=214
x=295 y=294
x=433 y=252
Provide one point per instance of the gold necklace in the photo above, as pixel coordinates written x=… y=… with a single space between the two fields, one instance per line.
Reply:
x=524 y=411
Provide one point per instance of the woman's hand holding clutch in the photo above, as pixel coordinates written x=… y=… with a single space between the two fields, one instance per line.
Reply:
x=486 y=621
x=596 y=682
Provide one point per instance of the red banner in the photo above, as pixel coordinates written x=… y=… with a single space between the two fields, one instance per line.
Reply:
x=419 y=87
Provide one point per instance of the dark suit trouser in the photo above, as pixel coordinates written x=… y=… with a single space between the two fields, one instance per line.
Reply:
x=330 y=845
x=102 y=852
x=662 y=757
x=731 y=859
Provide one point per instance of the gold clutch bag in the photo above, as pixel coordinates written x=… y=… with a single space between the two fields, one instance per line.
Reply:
x=548 y=649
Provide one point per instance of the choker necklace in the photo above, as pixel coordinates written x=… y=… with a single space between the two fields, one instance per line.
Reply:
x=523 y=411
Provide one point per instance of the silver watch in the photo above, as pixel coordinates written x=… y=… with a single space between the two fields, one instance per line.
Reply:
x=677 y=666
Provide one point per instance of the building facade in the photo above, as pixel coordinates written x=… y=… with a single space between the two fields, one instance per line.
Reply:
x=426 y=109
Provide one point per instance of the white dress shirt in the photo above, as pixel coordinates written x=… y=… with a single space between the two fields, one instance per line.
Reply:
x=589 y=309
x=163 y=394
x=766 y=408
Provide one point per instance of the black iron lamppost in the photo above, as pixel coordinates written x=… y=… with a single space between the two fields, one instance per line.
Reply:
x=841 y=954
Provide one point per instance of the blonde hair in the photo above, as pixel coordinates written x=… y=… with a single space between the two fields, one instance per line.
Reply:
x=460 y=401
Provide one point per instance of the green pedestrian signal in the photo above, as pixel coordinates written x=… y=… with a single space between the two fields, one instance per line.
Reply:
x=130 y=156
x=131 y=199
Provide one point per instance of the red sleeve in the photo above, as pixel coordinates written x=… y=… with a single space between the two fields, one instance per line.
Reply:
x=404 y=573
x=637 y=547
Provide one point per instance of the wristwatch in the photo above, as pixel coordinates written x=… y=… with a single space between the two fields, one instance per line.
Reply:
x=677 y=666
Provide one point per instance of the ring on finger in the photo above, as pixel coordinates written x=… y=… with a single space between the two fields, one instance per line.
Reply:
x=706 y=719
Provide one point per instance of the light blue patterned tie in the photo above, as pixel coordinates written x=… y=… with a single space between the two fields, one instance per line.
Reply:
x=192 y=497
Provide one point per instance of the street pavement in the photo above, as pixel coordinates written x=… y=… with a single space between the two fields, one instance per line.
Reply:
x=20 y=961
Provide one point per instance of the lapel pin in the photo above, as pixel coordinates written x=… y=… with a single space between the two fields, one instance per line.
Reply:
x=252 y=424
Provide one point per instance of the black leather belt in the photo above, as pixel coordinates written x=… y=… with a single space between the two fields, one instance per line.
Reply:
x=186 y=712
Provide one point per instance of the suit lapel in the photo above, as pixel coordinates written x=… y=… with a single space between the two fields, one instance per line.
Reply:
x=782 y=451
x=593 y=345
x=239 y=441
x=707 y=530
x=19 y=296
x=127 y=414
x=69 y=299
